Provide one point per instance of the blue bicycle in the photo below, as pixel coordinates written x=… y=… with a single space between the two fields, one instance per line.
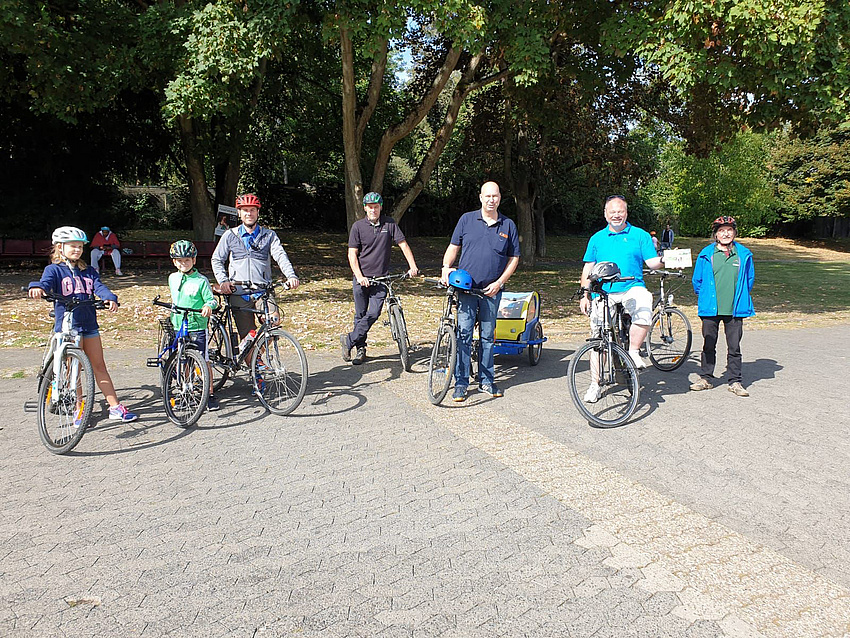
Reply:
x=184 y=373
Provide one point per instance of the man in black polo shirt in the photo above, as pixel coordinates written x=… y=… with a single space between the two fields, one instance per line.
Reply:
x=488 y=244
x=369 y=245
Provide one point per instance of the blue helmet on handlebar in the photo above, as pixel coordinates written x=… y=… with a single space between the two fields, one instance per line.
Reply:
x=460 y=279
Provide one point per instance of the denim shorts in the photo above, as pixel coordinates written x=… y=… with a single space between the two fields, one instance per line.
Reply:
x=86 y=334
x=199 y=338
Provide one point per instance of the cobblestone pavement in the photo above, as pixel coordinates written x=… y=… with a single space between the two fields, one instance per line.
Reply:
x=369 y=512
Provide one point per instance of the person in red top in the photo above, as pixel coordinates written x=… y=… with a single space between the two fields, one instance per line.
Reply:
x=106 y=242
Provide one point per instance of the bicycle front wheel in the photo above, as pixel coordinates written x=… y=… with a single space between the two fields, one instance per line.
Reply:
x=604 y=387
x=220 y=353
x=186 y=387
x=279 y=371
x=442 y=365
x=670 y=339
x=399 y=330
x=65 y=402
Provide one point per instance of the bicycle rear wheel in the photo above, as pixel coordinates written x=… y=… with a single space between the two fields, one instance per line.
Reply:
x=616 y=378
x=442 y=365
x=65 y=403
x=186 y=387
x=399 y=330
x=670 y=339
x=220 y=353
x=279 y=371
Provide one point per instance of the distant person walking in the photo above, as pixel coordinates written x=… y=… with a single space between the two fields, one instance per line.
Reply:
x=667 y=238
x=723 y=279
x=105 y=242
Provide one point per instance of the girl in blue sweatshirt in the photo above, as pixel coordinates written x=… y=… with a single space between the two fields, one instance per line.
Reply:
x=69 y=276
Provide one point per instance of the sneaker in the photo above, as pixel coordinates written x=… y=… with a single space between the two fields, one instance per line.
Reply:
x=640 y=364
x=118 y=272
x=737 y=388
x=261 y=385
x=593 y=393
x=346 y=349
x=459 y=394
x=701 y=384
x=492 y=390
x=212 y=403
x=120 y=413
x=360 y=356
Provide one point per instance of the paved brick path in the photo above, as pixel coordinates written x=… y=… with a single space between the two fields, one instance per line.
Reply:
x=370 y=512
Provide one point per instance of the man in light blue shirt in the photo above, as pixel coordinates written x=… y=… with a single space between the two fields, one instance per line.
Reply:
x=630 y=248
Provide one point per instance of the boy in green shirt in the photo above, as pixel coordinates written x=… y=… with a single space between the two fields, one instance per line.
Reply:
x=190 y=289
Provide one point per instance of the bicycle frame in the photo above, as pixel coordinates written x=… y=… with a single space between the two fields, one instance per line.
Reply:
x=392 y=299
x=665 y=300
x=225 y=312
x=67 y=337
x=181 y=336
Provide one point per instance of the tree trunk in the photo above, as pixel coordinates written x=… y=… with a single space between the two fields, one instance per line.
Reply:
x=466 y=86
x=353 y=179
x=203 y=220
x=540 y=229
x=354 y=125
x=518 y=175
x=416 y=114
x=227 y=173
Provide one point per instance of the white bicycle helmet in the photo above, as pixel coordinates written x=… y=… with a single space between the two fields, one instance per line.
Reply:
x=68 y=233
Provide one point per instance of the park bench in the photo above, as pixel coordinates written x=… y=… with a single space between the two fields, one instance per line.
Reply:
x=23 y=250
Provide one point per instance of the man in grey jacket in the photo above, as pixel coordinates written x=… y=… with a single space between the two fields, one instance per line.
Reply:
x=244 y=253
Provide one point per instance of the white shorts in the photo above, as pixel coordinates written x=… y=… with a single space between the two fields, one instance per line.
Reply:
x=637 y=301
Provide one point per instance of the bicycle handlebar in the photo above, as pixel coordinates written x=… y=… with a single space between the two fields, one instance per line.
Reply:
x=173 y=307
x=664 y=273
x=257 y=287
x=472 y=291
x=72 y=302
x=388 y=278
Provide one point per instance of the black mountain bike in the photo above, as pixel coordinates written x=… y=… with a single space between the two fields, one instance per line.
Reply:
x=603 y=379
x=395 y=316
x=275 y=359
x=444 y=354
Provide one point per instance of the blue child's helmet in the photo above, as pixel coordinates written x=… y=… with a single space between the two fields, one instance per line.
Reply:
x=460 y=279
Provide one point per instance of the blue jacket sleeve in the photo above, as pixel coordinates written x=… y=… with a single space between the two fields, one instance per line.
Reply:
x=48 y=281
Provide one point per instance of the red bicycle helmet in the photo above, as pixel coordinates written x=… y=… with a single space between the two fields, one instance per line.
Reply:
x=248 y=199
x=724 y=220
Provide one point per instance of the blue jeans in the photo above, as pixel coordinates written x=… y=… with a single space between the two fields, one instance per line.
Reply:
x=470 y=307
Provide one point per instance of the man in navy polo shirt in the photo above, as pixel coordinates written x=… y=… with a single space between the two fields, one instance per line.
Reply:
x=630 y=248
x=369 y=245
x=488 y=244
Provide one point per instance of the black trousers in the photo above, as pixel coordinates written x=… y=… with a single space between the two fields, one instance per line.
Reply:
x=368 y=303
x=733 y=327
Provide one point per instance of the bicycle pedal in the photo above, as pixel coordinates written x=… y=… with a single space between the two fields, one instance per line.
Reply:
x=153 y=362
x=30 y=406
